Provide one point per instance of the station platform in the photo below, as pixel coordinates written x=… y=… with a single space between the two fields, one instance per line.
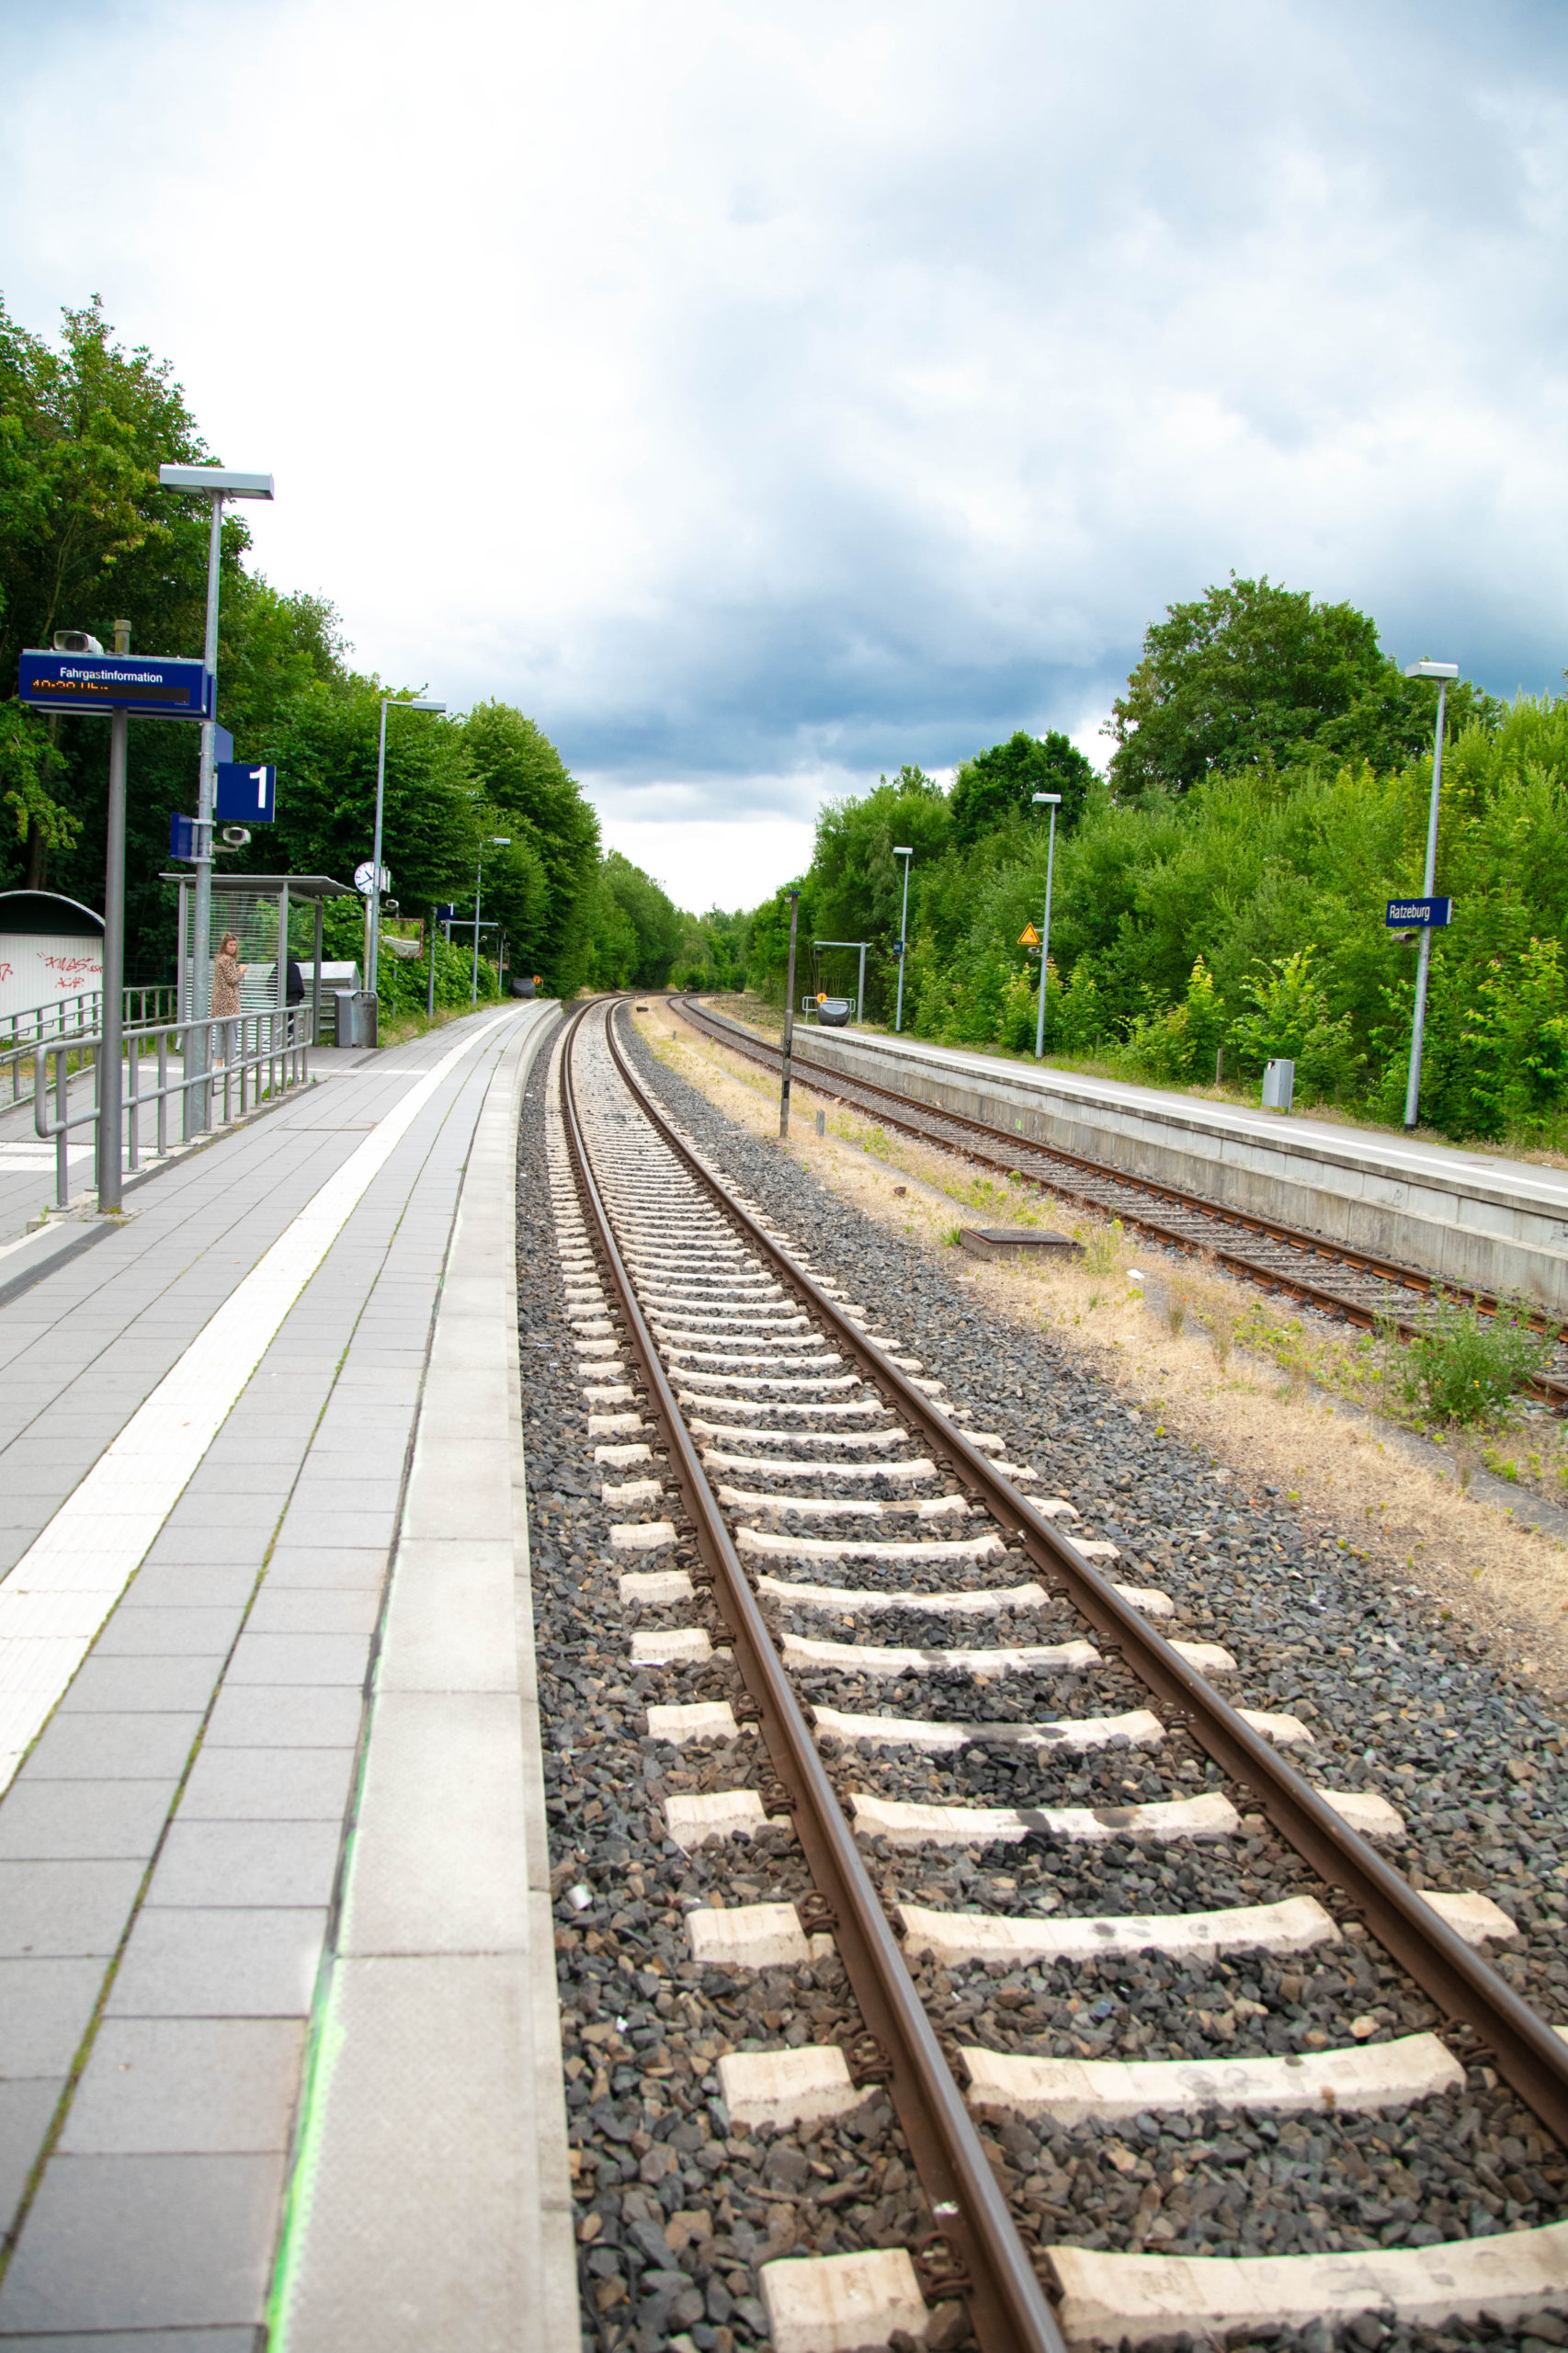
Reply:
x=1476 y=1218
x=279 y=2058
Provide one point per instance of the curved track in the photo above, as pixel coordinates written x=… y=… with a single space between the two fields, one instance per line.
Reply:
x=1352 y=1284
x=723 y=1357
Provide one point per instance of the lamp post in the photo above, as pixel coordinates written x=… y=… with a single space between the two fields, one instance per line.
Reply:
x=500 y=841
x=1052 y=801
x=902 y=935
x=373 y=959
x=1442 y=672
x=111 y=1078
x=785 y=1058
x=216 y=483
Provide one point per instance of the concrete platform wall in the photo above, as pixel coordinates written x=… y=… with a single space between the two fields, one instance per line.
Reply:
x=1460 y=1223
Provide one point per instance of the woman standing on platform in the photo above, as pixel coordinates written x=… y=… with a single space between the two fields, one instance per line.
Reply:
x=227 y=971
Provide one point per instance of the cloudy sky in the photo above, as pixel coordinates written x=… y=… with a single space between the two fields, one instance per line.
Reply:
x=763 y=393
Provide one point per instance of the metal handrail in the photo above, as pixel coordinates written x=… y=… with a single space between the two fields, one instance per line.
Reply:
x=277 y=1039
x=78 y=1019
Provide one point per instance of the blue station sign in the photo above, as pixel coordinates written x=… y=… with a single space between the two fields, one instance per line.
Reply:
x=247 y=794
x=183 y=834
x=149 y=686
x=1418 y=915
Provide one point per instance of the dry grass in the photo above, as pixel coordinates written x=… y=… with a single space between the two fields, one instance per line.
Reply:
x=1259 y=1412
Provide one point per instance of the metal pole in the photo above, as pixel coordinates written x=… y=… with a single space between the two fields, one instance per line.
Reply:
x=197 y=1041
x=430 y=985
x=1418 y=1027
x=1045 y=942
x=478 y=879
x=110 y=1074
x=860 y=994
x=903 y=949
x=315 y=984
x=788 y=1021
x=373 y=950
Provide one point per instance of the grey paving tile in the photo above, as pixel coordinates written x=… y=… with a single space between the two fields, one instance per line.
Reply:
x=153 y=1629
x=461 y=1491
x=111 y=1748
x=354 y=1491
x=127 y=2243
x=287 y=1716
x=218 y=1507
x=309 y=1564
x=273 y=1864
x=169 y=1584
x=44 y=2008
x=451 y=1622
x=268 y=1785
x=299 y=1658
x=138 y=2340
x=141 y=1686
x=242 y=1544
x=315 y=1610
x=66 y=1908
x=56 y=1819
x=330 y=1527
x=386 y=2230
x=243 y=1444
x=27 y=2110
x=442 y=1845
x=187 y=2086
x=224 y=1963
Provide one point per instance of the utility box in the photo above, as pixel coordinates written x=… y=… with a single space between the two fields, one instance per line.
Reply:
x=1278 y=1086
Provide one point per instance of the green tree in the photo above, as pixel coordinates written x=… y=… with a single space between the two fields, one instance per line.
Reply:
x=638 y=930
x=86 y=537
x=1252 y=675
x=523 y=777
x=1000 y=785
x=327 y=741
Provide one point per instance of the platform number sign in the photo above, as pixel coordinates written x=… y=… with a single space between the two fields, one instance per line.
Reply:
x=245 y=795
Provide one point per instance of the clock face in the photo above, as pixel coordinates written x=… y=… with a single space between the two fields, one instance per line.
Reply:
x=365 y=878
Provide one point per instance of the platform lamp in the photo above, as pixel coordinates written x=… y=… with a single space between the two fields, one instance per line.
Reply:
x=215 y=484
x=1442 y=672
x=373 y=959
x=495 y=841
x=903 y=934
x=1052 y=801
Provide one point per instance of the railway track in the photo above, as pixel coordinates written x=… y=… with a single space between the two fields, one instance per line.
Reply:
x=1355 y=1286
x=775 y=1463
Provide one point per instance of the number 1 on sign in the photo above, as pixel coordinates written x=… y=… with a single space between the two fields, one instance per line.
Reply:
x=259 y=777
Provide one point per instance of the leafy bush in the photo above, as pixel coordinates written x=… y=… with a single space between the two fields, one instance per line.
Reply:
x=1289 y=1021
x=1466 y=1367
x=1180 y=1041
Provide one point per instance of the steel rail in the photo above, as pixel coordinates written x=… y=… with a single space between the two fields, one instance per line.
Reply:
x=1528 y=2053
x=1549 y=1391
x=992 y=2269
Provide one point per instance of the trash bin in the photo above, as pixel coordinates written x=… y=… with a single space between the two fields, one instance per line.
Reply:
x=354 y=1017
x=1278 y=1086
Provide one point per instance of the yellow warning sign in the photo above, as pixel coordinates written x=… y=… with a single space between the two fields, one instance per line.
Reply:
x=1029 y=937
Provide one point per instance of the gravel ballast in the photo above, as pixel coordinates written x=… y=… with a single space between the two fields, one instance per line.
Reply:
x=675 y=2209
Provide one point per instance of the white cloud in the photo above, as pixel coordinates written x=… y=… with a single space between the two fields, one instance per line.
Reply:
x=762 y=394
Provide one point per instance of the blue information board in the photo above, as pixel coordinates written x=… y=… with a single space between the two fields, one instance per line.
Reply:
x=182 y=837
x=246 y=794
x=149 y=686
x=1418 y=915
